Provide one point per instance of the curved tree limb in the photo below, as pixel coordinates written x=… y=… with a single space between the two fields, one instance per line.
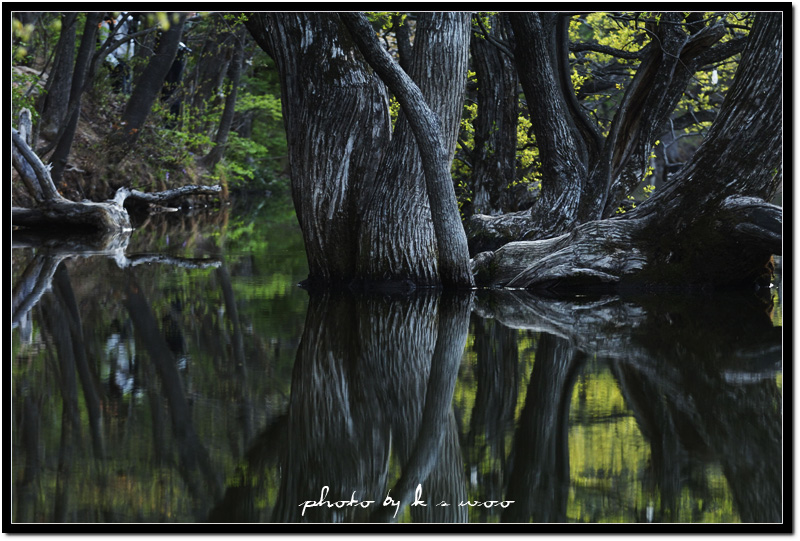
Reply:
x=450 y=237
x=590 y=131
x=502 y=46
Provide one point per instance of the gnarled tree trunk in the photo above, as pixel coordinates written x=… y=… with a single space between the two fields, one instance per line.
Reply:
x=585 y=174
x=433 y=113
x=710 y=225
x=495 y=148
x=369 y=215
x=337 y=125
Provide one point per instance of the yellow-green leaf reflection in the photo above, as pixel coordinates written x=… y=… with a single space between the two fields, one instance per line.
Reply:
x=611 y=464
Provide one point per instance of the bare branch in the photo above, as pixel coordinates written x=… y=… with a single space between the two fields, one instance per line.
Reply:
x=41 y=172
x=604 y=49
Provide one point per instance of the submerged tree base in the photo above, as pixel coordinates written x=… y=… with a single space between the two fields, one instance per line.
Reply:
x=729 y=247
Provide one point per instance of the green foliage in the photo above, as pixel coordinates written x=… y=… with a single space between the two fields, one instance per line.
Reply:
x=647 y=187
x=256 y=159
x=460 y=169
x=394 y=110
x=620 y=34
x=24 y=89
x=382 y=20
x=22 y=34
x=527 y=156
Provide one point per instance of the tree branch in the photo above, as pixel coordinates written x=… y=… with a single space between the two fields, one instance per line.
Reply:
x=722 y=52
x=165 y=196
x=501 y=45
x=605 y=49
x=26 y=162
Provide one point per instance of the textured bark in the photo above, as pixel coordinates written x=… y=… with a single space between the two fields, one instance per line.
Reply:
x=167 y=196
x=709 y=226
x=35 y=175
x=586 y=175
x=333 y=157
x=649 y=101
x=55 y=101
x=563 y=155
x=495 y=149
x=435 y=141
x=408 y=205
x=403 y=37
x=79 y=77
x=108 y=216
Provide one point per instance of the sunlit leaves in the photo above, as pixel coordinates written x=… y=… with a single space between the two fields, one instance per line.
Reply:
x=527 y=155
x=383 y=19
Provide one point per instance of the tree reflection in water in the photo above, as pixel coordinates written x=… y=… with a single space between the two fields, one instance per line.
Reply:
x=373 y=384
x=697 y=372
x=473 y=397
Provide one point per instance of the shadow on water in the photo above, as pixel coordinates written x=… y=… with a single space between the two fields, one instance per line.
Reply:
x=198 y=384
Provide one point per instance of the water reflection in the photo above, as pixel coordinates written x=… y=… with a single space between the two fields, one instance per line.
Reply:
x=200 y=385
x=372 y=385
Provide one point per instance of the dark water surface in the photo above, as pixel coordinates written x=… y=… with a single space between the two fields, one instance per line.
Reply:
x=185 y=377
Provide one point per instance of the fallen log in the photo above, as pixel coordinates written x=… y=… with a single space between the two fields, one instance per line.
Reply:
x=54 y=212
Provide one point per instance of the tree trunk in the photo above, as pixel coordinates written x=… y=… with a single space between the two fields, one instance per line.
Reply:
x=403 y=36
x=337 y=125
x=710 y=226
x=234 y=74
x=495 y=146
x=147 y=89
x=563 y=155
x=648 y=103
x=397 y=208
x=55 y=102
x=79 y=77
x=333 y=101
x=587 y=175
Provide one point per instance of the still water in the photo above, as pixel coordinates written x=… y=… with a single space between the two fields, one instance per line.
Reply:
x=186 y=378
